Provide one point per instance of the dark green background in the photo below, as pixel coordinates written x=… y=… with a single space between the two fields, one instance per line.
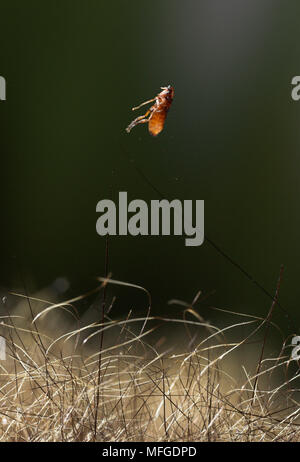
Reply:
x=75 y=68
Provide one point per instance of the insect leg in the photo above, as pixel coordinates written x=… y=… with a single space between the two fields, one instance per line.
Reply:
x=139 y=120
x=146 y=102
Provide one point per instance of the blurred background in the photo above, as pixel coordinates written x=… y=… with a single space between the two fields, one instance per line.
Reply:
x=74 y=69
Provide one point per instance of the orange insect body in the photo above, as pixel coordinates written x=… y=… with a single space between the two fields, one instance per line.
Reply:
x=156 y=115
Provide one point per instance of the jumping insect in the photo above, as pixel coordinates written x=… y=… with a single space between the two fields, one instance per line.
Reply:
x=158 y=112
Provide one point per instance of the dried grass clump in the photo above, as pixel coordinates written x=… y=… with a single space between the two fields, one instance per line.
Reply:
x=144 y=379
